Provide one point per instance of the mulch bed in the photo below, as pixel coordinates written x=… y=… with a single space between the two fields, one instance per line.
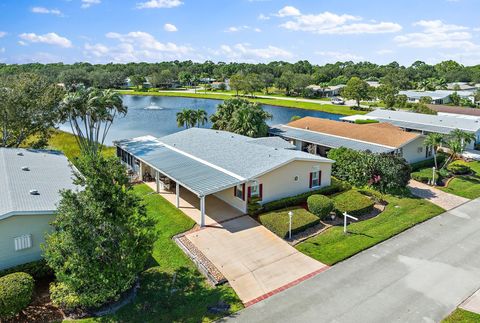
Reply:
x=41 y=309
x=338 y=220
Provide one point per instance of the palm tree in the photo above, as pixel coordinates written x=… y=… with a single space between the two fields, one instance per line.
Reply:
x=186 y=118
x=434 y=140
x=201 y=117
x=458 y=141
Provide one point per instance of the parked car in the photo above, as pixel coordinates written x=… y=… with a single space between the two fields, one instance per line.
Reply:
x=338 y=101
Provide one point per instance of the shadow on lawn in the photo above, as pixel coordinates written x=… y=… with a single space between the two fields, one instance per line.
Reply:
x=181 y=296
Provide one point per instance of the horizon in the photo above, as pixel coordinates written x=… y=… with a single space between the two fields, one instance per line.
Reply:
x=244 y=31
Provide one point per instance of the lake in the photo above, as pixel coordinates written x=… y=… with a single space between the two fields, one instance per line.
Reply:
x=156 y=115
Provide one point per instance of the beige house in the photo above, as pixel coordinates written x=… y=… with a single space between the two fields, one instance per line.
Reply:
x=317 y=136
x=232 y=167
x=30 y=181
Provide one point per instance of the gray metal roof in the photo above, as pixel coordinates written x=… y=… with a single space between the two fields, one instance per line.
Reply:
x=49 y=172
x=327 y=140
x=275 y=142
x=425 y=122
x=435 y=95
x=199 y=177
x=207 y=161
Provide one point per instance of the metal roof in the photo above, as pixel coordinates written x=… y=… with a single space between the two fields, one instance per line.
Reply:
x=48 y=173
x=435 y=95
x=425 y=122
x=275 y=142
x=327 y=140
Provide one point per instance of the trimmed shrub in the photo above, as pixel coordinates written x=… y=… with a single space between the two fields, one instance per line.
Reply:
x=320 y=205
x=15 y=293
x=278 y=221
x=429 y=162
x=366 y=121
x=336 y=186
x=37 y=269
x=459 y=167
x=352 y=202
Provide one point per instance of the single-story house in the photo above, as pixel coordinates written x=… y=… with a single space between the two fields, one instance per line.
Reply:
x=30 y=181
x=326 y=91
x=318 y=136
x=461 y=112
x=232 y=167
x=438 y=96
x=427 y=123
x=373 y=83
x=461 y=86
x=217 y=85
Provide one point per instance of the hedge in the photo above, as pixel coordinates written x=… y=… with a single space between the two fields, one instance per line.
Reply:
x=278 y=221
x=15 y=293
x=37 y=269
x=428 y=162
x=335 y=187
x=320 y=205
x=353 y=202
x=459 y=167
x=366 y=121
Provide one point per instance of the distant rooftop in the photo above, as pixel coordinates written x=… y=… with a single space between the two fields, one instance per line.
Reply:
x=24 y=170
x=435 y=95
x=455 y=110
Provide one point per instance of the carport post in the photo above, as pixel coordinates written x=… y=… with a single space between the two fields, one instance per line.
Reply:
x=202 y=211
x=157 y=180
x=177 y=191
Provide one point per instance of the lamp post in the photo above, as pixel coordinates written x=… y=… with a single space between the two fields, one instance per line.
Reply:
x=290 y=215
x=433 y=175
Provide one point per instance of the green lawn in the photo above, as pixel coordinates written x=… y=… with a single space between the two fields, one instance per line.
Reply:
x=278 y=221
x=467 y=186
x=172 y=290
x=462 y=316
x=401 y=213
x=337 y=109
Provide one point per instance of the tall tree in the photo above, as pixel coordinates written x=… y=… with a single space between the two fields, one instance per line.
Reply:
x=388 y=94
x=434 y=140
x=201 y=117
x=356 y=89
x=186 y=118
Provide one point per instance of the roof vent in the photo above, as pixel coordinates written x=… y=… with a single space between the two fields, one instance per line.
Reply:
x=25 y=168
x=20 y=154
x=34 y=192
x=306 y=127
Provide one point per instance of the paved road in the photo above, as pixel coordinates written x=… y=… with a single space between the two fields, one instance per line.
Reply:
x=420 y=275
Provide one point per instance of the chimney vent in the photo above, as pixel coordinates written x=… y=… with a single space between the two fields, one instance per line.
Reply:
x=34 y=192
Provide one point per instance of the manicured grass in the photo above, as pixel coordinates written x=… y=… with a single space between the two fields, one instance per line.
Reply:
x=353 y=202
x=171 y=289
x=400 y=214
x=467 y=186
x=278 y=221
x=462 y=316
x=336 y=109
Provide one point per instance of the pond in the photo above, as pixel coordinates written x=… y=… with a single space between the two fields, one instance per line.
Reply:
x=156 y=115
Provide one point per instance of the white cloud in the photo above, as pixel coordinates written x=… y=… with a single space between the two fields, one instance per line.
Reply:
x=43 y=10
x=288 y=11
x=49 y=38
x=159 y=4
x=244 y=52
x=170 y=27
x=331 y=23
x=263 y=17
x=22 y=43
x=2 y=34
x=437 y=34
x=134 y=47
x=234 y=29
x=339 y=56
x=89 y=3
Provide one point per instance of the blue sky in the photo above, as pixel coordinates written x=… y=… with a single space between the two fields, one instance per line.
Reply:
x=102 y=31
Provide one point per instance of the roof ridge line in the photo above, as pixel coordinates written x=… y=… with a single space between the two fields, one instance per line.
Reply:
x=223 y=170
x=336 y=136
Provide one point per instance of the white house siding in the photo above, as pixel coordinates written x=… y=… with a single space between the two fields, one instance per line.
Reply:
x=411 y=151
x=10 y=228
x=281 y=183
x=229 y=197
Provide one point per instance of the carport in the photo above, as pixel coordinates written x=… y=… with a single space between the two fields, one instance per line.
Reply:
x=168 y=167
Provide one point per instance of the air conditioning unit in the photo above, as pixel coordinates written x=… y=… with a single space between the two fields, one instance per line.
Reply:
x=23 y=242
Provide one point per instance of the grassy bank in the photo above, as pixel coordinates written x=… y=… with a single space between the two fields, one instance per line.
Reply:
x=462 y=316
x=330 y=108
x=400 y=214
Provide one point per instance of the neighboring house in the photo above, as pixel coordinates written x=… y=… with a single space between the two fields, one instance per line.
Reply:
x=427 y=123
x=462 y=86
x=438 y=96
x=30 y=181
x=318 y=136
x=232 y=167
x=374 y=84
x=217 y=85
x=461 y=112
x=328 y=91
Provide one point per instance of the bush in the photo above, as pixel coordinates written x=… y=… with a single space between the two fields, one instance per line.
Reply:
x=37 y=269
x=335 y=187
x=15 y=293
x=459 y=167
x=278 y=221
x=366 y=121
x=428 y=162
x=353 y=202
x=320 y=205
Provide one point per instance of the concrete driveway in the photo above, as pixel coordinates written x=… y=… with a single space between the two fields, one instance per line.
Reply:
x=255 y=261
x=420 y=275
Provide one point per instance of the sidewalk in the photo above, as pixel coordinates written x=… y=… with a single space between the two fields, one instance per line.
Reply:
x=444 y=200
x=472 y=304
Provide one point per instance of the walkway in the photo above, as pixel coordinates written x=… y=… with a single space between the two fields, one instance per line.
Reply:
x=472 y=303
x=255 y=261
x=445 y=200
x=420 y=275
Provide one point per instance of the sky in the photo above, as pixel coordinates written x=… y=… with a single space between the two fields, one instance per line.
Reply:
x=321 y=31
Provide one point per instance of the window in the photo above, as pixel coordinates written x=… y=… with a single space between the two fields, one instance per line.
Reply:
x=23 y=242
x=420 y=150
x=315 y=179
x=295 y=179
x=254 y=189
x=239 y=191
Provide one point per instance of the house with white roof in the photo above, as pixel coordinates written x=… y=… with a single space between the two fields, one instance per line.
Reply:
x=30 y=182
x=438 y=96
x=318 y=136
x=231 y=167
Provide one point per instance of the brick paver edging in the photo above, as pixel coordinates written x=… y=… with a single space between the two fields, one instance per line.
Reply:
x=286 y=286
